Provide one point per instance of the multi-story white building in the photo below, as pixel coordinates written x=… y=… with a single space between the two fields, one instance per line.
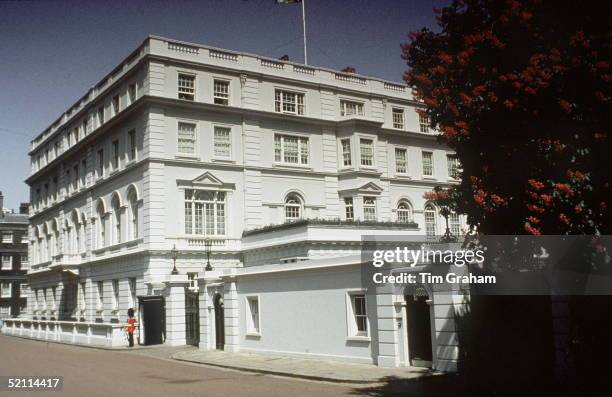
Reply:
x=270 y=171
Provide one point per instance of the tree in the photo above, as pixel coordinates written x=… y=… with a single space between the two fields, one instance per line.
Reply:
x=521 y=91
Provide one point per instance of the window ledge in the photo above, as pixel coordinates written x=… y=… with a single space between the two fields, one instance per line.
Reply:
x=358 y=338
x=403 y=176
x=429 y=178
x=253 y=335
x=223 y=160
x=184 y=156
x=293 y=166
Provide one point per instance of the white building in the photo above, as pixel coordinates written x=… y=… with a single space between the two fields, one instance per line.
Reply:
x=272 y=170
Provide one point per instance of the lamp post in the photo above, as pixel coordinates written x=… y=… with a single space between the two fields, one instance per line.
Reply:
x=448 y=237
x=174 y=252
x=208 y=245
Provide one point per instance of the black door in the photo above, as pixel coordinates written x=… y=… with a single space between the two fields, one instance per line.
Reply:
x=419 y=331
x=152 y=309
x=219 y=322
x=192 y=318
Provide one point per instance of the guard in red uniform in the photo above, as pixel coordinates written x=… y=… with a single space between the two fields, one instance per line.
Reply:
x=131 y=326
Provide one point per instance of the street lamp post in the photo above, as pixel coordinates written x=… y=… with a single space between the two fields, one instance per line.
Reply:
x=174 y=252
x=208 y=245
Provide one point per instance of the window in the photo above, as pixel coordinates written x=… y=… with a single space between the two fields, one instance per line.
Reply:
x=132 y=93
x=100 y=295
x=6 y=290
x=69 y=297
x=75 y=134
x=84 y=127
x=25 y=264
x=83 y=172
x=5 y=311
x=7 y=238
x=366 y=151
x=75 y=177
x=100 y=163
x=68 y=181
x=186 y=87
x=424 y=123
x=290 y=149
x=7 y=262
x=349 y=211
x=101 y=226
x=452 y=162
x=427 y=163
x=404 y=213
x=115 y=105
x=398 y=118
x=115 y=154
x=252 y=315
x=100 y=116
x=350 y=108
x=55 y=149
x=116 y=235
x=204 y=212
x=288 y=102
x=454 y=224
x=131 y=145
x=346 y=152
x=400 y=161
x=53 y=298
x=133 y=211
x=221 y=92
x=186 y=138
x=369 y=208
x=115 y=286
x=358 y=318
x=133 y=297
x=82 y=297
x=222 y=142
x=293 y=208
x=430 y=220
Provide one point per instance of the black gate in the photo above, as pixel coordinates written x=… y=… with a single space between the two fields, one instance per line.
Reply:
x=192 y=318
x=153 y=318
x=219 y=322
x=419 y=331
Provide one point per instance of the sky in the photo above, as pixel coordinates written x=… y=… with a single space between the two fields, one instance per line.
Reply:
x=52 y=52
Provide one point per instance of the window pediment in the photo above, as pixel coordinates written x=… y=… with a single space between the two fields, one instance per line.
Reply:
x=369 y=188
x=206 y=180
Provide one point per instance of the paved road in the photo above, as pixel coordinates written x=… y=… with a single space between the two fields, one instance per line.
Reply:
x=93 y=372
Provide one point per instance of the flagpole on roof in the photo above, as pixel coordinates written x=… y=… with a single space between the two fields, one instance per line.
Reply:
x=304 y=26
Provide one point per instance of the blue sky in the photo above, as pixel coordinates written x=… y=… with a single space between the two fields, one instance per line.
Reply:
x=51 y=52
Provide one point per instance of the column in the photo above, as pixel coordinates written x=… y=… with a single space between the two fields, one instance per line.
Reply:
x=232 y=316
x=175 y=310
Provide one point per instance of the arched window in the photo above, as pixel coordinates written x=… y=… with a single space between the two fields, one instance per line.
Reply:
x=56 y=238
x=83 y=237
x=116 y=220
x=404 y=212
x=46 y=239
x=430 y=220
x=36 y=246
x=293 y=208
x=133 y=214
x=76 y=233
x=67 y=236
x=100 y=225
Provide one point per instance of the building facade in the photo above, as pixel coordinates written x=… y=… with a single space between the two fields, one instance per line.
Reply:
x=267 y=173
x=14 y=256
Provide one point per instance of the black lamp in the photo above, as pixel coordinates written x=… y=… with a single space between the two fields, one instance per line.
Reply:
x=174 y=252
x=208 y=245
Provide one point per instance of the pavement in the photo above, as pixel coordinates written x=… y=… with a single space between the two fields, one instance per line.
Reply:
x=311 y=369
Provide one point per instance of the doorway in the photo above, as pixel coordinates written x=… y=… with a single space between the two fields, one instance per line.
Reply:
x=153 y=319
x=419 y=330
x=192 y=318
x=219 y=322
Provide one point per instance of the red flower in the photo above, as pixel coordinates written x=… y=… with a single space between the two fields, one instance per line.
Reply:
x=546 y=198
x=533 y=220
x=508 y=104
x=532 y=230
x=537 y=185
x=563 y=218
x=444 y=57
x=564 y=188
x=465 y=98
x=565 y=105
x=578 y=209
x=497 y=199
x=534 y=208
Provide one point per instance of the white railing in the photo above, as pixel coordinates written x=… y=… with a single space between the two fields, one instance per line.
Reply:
x=272 y=64
x=303 y=70
x=86 y=333
x=187 y=49
x=350 y=79
x=228 y=56
x=395 y=87
x=201 y=242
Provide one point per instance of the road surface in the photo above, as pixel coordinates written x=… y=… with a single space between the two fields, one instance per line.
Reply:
x=93 y=372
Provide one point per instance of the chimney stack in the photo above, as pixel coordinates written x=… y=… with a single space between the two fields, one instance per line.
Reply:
x=23 y=208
